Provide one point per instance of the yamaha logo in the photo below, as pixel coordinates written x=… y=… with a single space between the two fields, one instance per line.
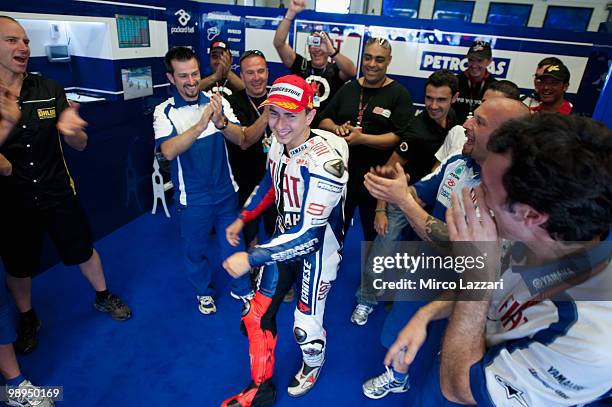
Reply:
x=183 y=18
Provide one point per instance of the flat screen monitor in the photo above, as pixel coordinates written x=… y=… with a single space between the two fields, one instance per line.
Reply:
x=58 y=52
x=133 y=31
x=137 y=82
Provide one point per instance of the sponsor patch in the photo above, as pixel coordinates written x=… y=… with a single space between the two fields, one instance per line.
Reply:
x=329 y=187
x=383 y=112
x=46 y=113
x=287 y=90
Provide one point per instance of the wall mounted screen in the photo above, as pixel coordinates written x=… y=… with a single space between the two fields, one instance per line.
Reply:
x=453 y=10
x=133 y=31
x=509 y=14
x=401 y=8
x=568 y=18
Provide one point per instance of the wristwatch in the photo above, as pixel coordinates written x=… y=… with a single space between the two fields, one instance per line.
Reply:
x=225 y=122
x=335 y=53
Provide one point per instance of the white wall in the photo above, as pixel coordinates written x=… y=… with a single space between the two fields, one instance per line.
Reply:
x=94 y=37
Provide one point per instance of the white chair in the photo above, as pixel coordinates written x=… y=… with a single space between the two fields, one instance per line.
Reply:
x=159 y=189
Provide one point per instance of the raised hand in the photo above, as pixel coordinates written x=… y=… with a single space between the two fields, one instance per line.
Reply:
x=70 y=122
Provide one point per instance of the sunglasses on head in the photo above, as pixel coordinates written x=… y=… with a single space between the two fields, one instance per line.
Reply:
x=250 y=53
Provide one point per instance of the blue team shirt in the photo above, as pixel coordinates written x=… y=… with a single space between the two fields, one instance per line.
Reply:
x=452 y=175
x=201 y=175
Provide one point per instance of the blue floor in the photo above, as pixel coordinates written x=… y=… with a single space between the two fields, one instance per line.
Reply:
x=169 y=354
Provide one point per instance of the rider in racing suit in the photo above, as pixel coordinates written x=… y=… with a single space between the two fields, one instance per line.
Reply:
x=306 y=179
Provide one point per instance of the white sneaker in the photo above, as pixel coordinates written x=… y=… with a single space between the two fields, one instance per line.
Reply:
x=379 y=386
x=26 y=396
x=304 y=380
x=244 y=298
x=361 y=313
x=206 y=304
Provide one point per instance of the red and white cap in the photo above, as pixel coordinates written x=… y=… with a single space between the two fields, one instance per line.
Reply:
x=291 y=93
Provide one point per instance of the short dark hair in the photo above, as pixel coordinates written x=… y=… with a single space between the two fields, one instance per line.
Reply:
x=444 y=77
x=508 y=88
x=549 y=61
x=178 y=54
x=561 y=166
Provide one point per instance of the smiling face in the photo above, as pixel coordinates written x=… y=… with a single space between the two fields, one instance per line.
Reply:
x=254 y=74
x=489 y=116
x=186 y=78
x=550 y=90
x=477 y=68
x=438 y=102
x=376 y=60
x=318 y=57
x=14 y=48
x=290 y=129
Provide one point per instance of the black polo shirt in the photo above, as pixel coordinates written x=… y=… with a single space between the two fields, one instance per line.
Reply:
x=326 y=82
x=470 y=95
x=420 y=146
x=40 y=178
x=248 y=166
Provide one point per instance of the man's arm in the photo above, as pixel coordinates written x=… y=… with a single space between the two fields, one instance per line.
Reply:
x=328 y=124
x=464 y=340
x=413 y=335
x=462 y=346
x=6 y=168
x=285 y=52
x=254 y=132
x=9 y=113
x=230 y=131
x=346 y=67
x=223 y=76
x=379 y=141
x=72 y=127
x=391 y=186
x=176 y=145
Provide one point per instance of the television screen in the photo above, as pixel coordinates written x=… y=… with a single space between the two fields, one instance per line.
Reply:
x=137 y=82
x=58 y=53
x=133 y=31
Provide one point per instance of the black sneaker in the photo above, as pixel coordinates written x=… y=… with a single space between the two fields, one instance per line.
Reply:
x=27 y=334
x=117 y=309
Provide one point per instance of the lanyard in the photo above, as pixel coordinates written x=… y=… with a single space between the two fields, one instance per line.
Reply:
x=361 y=109
x=266 y=140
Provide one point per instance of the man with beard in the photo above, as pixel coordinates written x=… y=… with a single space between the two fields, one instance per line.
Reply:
x=543 y=339
x=190 y=130
x=435 y=190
